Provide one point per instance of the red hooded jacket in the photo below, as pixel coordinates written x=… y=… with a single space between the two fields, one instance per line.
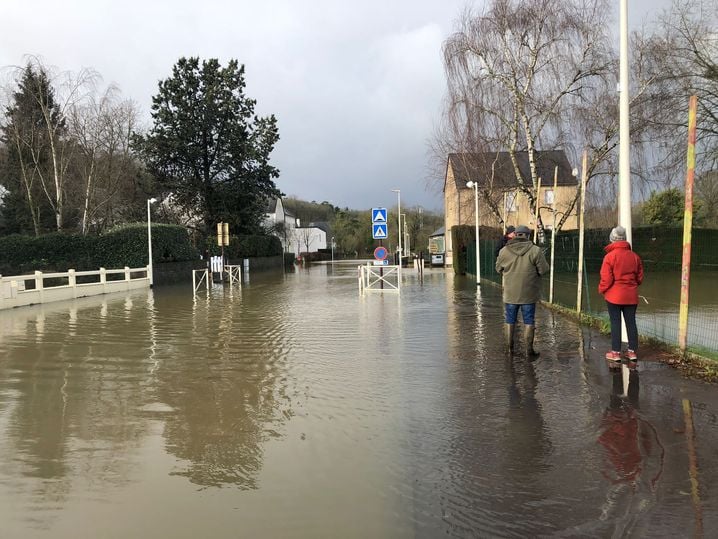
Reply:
x=621 y=273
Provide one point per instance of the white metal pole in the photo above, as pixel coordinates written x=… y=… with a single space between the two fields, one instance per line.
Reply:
x=624 y=163
x=478 y=254
x=332 y=250
x=398 y=211
x=624 y=156
x=406 y=236
x=149 y=241
x=553 y=233
x=475 y=186
x=581 y=230
x=398 y=198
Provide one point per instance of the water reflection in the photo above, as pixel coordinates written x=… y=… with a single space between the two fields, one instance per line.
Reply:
x=80 y=398
x=301 y=409
x=69 y=414
x=633 y=452
x=525 y=424
x=225 y=385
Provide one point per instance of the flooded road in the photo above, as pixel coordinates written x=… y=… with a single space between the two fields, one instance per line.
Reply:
x=296 y=408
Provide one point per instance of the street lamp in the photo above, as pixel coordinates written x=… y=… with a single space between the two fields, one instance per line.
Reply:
x=398 y=211
x=406 y=236
x=475 y=186
x=149 y=241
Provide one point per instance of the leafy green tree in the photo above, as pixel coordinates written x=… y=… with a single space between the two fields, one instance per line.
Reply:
x=352 y=232
x=664 y=208
x=419 y=224
x=208 y=149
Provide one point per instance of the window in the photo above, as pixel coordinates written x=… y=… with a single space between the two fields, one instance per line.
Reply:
x=548 y=197
x=511 y=201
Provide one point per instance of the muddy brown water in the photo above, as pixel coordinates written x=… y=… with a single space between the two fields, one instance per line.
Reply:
x=296 y=408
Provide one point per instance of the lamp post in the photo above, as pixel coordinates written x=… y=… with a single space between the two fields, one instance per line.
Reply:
x=149 y=240
x=475 y=186
x=406 y=236
x=398 y=211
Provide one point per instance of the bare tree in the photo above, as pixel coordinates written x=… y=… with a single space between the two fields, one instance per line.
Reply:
x=69 y=89
x=24 y=138
x=679 y=56
x=305 y=236
x=516 y=70
x=101 y=127
x=707 y=190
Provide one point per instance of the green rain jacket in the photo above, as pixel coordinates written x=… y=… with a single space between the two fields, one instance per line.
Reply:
x=521 y=263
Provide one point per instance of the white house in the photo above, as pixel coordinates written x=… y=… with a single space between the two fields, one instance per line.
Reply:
x=282 y=223
x=310 y=239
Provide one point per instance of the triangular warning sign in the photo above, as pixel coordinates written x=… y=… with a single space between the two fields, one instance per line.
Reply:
x=378 y=215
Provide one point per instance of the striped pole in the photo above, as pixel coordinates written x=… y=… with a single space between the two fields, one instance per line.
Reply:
x=687 y=224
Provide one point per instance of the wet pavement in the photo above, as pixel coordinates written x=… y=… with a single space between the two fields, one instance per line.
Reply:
x=296 y=408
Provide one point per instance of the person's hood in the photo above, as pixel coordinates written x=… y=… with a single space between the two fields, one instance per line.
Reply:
x=519 y=246
x=617 y=245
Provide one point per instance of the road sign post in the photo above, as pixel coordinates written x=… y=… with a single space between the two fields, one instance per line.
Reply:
x=379 y=232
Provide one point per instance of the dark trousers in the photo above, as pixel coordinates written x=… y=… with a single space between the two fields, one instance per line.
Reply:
x=629 y=315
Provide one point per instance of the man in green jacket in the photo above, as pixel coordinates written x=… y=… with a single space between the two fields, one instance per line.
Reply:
x=521 y=263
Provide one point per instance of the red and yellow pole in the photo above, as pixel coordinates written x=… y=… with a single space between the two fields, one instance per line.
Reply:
x=687 y=224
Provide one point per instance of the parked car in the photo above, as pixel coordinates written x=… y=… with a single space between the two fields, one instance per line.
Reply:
x=437 y=259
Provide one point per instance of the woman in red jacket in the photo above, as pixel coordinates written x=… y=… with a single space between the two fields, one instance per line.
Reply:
x=621 y=273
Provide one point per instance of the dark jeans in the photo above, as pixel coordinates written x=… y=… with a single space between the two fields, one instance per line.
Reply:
x=528 y=312
x=629 y=315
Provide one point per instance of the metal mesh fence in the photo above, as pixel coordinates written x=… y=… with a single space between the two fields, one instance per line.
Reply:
x=661 y=251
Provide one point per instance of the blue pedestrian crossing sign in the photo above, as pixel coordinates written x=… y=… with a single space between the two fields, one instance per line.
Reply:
x=378 y=231
x=378 y=215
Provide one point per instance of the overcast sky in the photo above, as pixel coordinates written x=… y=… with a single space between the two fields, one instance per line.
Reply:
x=356 y=86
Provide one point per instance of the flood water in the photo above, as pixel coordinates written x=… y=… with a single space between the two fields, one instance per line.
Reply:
x=658 y=307
x=294 y=407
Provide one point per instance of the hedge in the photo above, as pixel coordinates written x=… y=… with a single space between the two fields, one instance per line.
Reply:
x=127 y=246
x=119 y=247
x=247 y=246
x=52 y=252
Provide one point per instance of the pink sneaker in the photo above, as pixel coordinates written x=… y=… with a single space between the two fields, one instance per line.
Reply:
x=613 y=356
x=631 y=355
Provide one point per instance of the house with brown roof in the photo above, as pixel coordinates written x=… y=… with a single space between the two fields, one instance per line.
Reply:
x=503 y=183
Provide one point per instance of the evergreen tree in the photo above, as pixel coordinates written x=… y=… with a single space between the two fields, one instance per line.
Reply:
x=664 y=208
x=28 y=161
x=208 y=149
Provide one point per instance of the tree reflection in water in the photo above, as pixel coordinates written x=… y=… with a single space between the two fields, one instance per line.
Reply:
x=228 y=394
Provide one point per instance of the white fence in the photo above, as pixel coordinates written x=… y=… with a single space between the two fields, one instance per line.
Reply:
x=379 y=279
x=20 y=290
